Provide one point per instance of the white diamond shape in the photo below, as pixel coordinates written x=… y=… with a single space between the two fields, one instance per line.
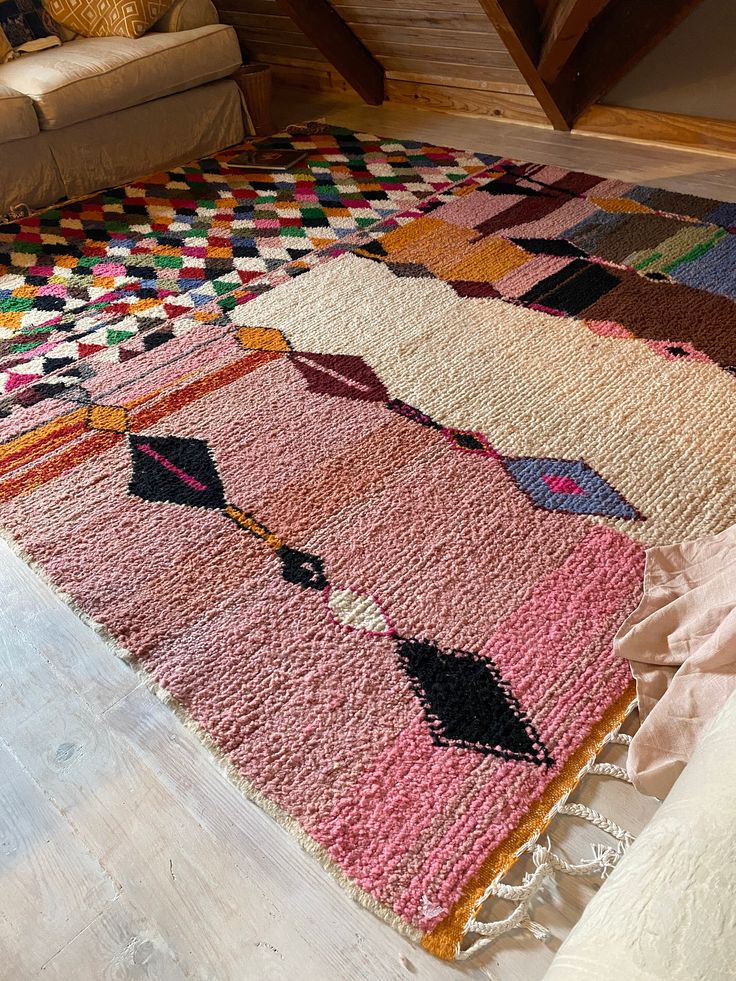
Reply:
x=357 y=611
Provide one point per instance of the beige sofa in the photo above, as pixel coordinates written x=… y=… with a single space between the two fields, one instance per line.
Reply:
x=96 y=112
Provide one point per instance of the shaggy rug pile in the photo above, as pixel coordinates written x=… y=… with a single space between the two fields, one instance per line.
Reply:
x=372 y=526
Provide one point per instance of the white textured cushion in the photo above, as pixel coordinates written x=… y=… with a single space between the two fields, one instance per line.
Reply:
x=667 y=912
x=94 y=76
x=17 y=115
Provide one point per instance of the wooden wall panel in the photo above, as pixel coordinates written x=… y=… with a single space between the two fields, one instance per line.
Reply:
x=435 y=52
x=413 y=39
x=441 y=41
x=266 y=35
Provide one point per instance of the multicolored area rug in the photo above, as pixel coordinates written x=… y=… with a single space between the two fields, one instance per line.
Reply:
x=372 y=527
x=87 y=275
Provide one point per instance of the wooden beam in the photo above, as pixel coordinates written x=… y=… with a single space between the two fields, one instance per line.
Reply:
x=617 y=39
x=644 y=126
x=519 y=25
x=329 y=33
x=608 y=38
x=563 y=28
x=475 y=102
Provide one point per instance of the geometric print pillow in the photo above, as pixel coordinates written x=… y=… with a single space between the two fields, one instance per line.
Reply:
x=106 y=18
x=22 y=21
x=6 y=48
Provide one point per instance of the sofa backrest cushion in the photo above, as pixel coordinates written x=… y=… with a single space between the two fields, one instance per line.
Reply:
x=107 y=18
x=186 y=15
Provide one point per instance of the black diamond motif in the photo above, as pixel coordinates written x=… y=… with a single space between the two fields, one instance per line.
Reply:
x=156 y=338
x=171 y=470
x=467 y=441
x=468 y=705
x=54 y=364
x=373 y=248
x=676 y=351
x=302 y=568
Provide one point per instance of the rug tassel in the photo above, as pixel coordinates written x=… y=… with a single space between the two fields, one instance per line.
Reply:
x=610 y=770
x=547 y=864
x=597 y=819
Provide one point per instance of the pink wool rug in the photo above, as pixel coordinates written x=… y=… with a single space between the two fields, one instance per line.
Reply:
x=372 y=531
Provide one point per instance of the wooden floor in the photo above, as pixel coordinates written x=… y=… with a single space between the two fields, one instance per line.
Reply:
x=125 y=854
x=706 y=174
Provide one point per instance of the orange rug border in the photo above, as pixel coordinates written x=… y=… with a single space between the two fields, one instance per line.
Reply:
x=444 y=940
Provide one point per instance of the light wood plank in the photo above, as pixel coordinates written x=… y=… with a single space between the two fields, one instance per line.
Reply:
x=432 y=60
x=437 y=16
x=26 y=685
x=120 y=944
x=482 y=95
x=378 y=34
x=494 y=84
x=197 y=888
x=51 y=886
x=462 y=35
x=275 y=52
x=474 y=65
x=411 y=9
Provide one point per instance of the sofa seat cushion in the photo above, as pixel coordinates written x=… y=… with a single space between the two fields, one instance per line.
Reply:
x=92 y=77
x=17 y=115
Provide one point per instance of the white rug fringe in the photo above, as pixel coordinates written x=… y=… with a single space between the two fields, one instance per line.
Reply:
x=548 y=864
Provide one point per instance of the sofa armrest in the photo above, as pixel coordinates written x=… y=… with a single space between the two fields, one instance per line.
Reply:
x=187 y=15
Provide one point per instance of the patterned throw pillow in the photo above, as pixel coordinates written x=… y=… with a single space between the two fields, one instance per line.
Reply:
x=105 y=18
x=6 y=49
x=22 y=21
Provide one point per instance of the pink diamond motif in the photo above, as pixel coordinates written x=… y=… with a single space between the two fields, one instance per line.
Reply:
x=678 y=351
x=562 y=485
x=14 y=381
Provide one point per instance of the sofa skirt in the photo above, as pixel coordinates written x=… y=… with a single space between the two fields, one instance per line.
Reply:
x=122 y=146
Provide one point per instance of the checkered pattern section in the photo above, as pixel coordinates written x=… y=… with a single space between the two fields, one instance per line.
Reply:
x=134 y=257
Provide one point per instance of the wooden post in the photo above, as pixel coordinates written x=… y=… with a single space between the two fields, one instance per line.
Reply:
x=519 y=25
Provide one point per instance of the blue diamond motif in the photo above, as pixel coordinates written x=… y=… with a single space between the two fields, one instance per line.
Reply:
x=540 y=478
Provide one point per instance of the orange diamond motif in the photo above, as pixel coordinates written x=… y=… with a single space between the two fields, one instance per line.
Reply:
x=109 y=418
x=262 y=339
